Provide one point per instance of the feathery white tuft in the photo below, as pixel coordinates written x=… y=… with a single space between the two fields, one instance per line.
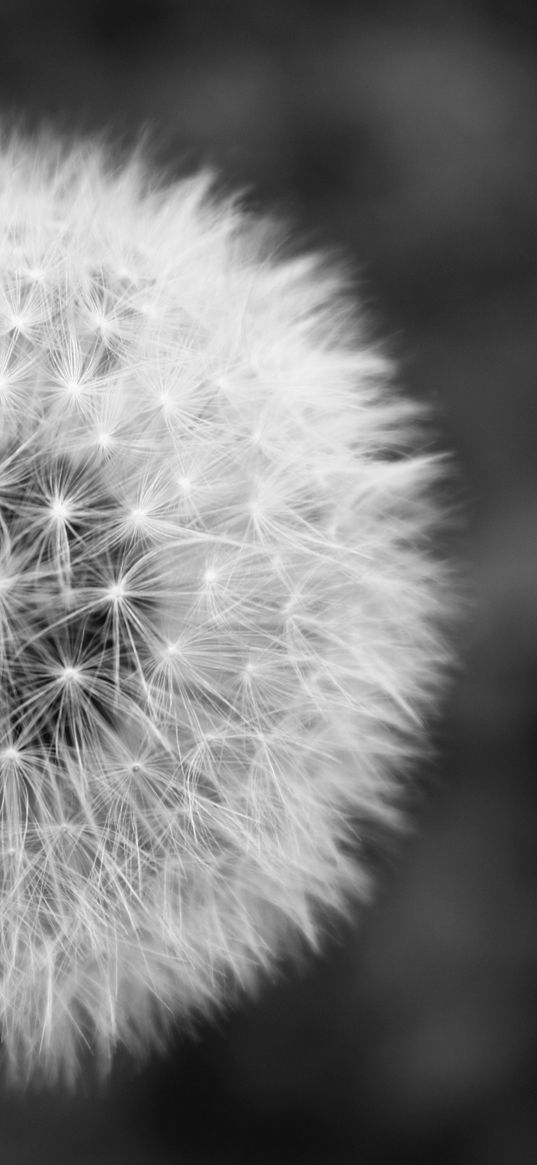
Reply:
x=220 y=618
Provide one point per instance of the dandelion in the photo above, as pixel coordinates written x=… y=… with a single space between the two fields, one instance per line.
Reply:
x=220 y=616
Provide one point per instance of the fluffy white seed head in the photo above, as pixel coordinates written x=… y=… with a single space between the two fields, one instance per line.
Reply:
x=219 y=612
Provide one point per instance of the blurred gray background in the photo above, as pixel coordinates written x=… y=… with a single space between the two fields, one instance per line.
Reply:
x=405 y=136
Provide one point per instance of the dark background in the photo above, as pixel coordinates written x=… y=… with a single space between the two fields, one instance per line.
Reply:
x=406 y=136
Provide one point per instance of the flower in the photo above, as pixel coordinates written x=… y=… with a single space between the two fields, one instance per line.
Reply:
x=220 y=616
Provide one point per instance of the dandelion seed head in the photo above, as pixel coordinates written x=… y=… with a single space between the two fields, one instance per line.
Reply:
x=221 y=616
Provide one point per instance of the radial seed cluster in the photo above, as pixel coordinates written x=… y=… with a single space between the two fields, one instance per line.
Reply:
x=219 y=616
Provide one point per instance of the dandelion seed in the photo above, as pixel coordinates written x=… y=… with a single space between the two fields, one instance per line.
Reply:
x=11 y=755
x=60 y=510
x=117 y=591
x=221 y=620
x=104 y=440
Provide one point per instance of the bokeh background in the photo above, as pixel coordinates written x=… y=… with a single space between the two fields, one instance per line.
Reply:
x=405 y=137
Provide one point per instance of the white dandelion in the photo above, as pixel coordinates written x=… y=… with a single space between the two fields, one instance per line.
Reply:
x=220 y=616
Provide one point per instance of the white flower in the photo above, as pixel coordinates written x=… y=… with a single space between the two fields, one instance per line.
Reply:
x=219 y=612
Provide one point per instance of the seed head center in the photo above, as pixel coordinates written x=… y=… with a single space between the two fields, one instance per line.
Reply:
x=69 y=674
x=117 y=590
x=60 y=509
